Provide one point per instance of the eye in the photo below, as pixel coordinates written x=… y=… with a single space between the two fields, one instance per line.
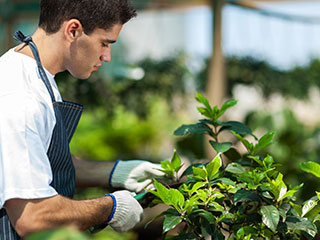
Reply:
x=104 y=44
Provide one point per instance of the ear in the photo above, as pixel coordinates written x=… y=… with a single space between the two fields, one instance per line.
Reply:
x=73 y=29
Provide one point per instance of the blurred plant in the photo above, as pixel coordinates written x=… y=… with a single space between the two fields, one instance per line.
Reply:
x=294 y=82
x=72 y=234
x=163 y=78
x=246 y=199
x=124 y=135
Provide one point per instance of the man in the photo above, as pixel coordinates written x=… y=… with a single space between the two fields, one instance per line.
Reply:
x=37 y=176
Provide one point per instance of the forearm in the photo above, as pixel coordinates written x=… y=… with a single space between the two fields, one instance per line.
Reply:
x=92 y=173
x=29 y=216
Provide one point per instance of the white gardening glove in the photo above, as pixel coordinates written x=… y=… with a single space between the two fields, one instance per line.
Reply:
x=134 y=175
x=127 y=211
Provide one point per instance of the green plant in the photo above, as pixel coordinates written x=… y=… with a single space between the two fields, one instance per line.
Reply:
x=245 y=199
x=297 y=142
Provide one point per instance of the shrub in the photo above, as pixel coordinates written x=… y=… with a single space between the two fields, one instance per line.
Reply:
x=246 y=198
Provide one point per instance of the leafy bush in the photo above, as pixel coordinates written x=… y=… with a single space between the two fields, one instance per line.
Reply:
x=296 y=143
x=245 y=199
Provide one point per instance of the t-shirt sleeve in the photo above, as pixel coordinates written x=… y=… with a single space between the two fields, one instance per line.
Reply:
x=26 y=127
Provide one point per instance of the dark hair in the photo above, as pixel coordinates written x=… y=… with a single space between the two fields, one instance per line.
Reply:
x=91 y=13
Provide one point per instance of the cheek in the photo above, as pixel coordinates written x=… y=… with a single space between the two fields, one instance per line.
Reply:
x=87 y=50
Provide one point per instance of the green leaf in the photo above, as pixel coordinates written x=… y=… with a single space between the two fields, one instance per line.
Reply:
x=257 y=160
x=207 y=121
x=318 y=194
x=215 y=111
x=167 y=168
x=264 y=141
x=171 y=222
x=196 y=186
x=218 y=235
x=221 y=147
x=225 y=181
x=268 y=161
x=162 y=193
x=153 y=192
x=216 y=207
x=237 y=127
x=279 y=188
x=298 y=187
x=235 y=168
x=200 y=172
x=244 y=195
x=209 y=217
x=176 y=198
x=189 y=169
x=232 y=154
x=191 y=203
x=170 y=173
x=166 y=165
x=249 y=146
x=311 y=167
x=185 y=130
x=205 y=112
x=303 y=224
x=314 y=214
x=308 y=206
x=226 y=106
x=217 y=195
x=296 y=207
x=214 y=166
x=247 y=230
x=270 y=217
x=203 y=195
x=267 y=195
x=176 y=161
x=290 y=193
x=201 y=99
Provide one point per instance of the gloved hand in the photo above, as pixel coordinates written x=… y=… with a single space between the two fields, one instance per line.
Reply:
x=127 y=211
x=134 y=175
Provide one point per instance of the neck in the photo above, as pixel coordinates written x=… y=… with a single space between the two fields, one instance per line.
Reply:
x=50 y=50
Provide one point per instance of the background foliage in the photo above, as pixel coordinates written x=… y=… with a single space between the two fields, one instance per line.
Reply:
x=126 y=118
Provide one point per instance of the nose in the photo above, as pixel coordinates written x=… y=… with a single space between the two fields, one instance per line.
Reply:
x=106 y=56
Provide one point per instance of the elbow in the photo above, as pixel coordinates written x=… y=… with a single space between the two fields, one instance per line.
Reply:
x=25 y=226
x=22 y=230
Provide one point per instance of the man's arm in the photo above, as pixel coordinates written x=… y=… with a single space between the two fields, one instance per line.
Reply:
x=92 y=173
x=29 y=216
x=133 y=175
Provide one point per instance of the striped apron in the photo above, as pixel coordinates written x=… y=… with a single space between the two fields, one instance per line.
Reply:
x=67 y=117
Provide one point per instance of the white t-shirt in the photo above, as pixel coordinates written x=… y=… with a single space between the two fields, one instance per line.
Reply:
x=27 y=121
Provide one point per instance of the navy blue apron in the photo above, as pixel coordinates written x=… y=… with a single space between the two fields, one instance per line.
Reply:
x=67 y=117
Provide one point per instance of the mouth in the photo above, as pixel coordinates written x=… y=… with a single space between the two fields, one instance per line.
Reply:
x=96 y=67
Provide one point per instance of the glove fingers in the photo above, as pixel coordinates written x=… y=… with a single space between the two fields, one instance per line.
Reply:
x=152 y=169
x=150 y=187
x=140 y=185
x=155 y=172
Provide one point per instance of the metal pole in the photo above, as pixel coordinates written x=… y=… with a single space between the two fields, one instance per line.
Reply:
x=216 y=83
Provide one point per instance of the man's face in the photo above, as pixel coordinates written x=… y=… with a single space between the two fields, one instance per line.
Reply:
x=89 y=51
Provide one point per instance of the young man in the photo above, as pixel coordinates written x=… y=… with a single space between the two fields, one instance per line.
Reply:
x=37 y=176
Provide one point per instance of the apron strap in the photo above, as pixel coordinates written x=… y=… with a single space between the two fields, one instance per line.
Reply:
x=19 y=36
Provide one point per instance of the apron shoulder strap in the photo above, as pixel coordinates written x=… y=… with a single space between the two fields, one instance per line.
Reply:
x=19 y=36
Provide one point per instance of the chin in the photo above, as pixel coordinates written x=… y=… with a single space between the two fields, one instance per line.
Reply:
x=82 y=76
